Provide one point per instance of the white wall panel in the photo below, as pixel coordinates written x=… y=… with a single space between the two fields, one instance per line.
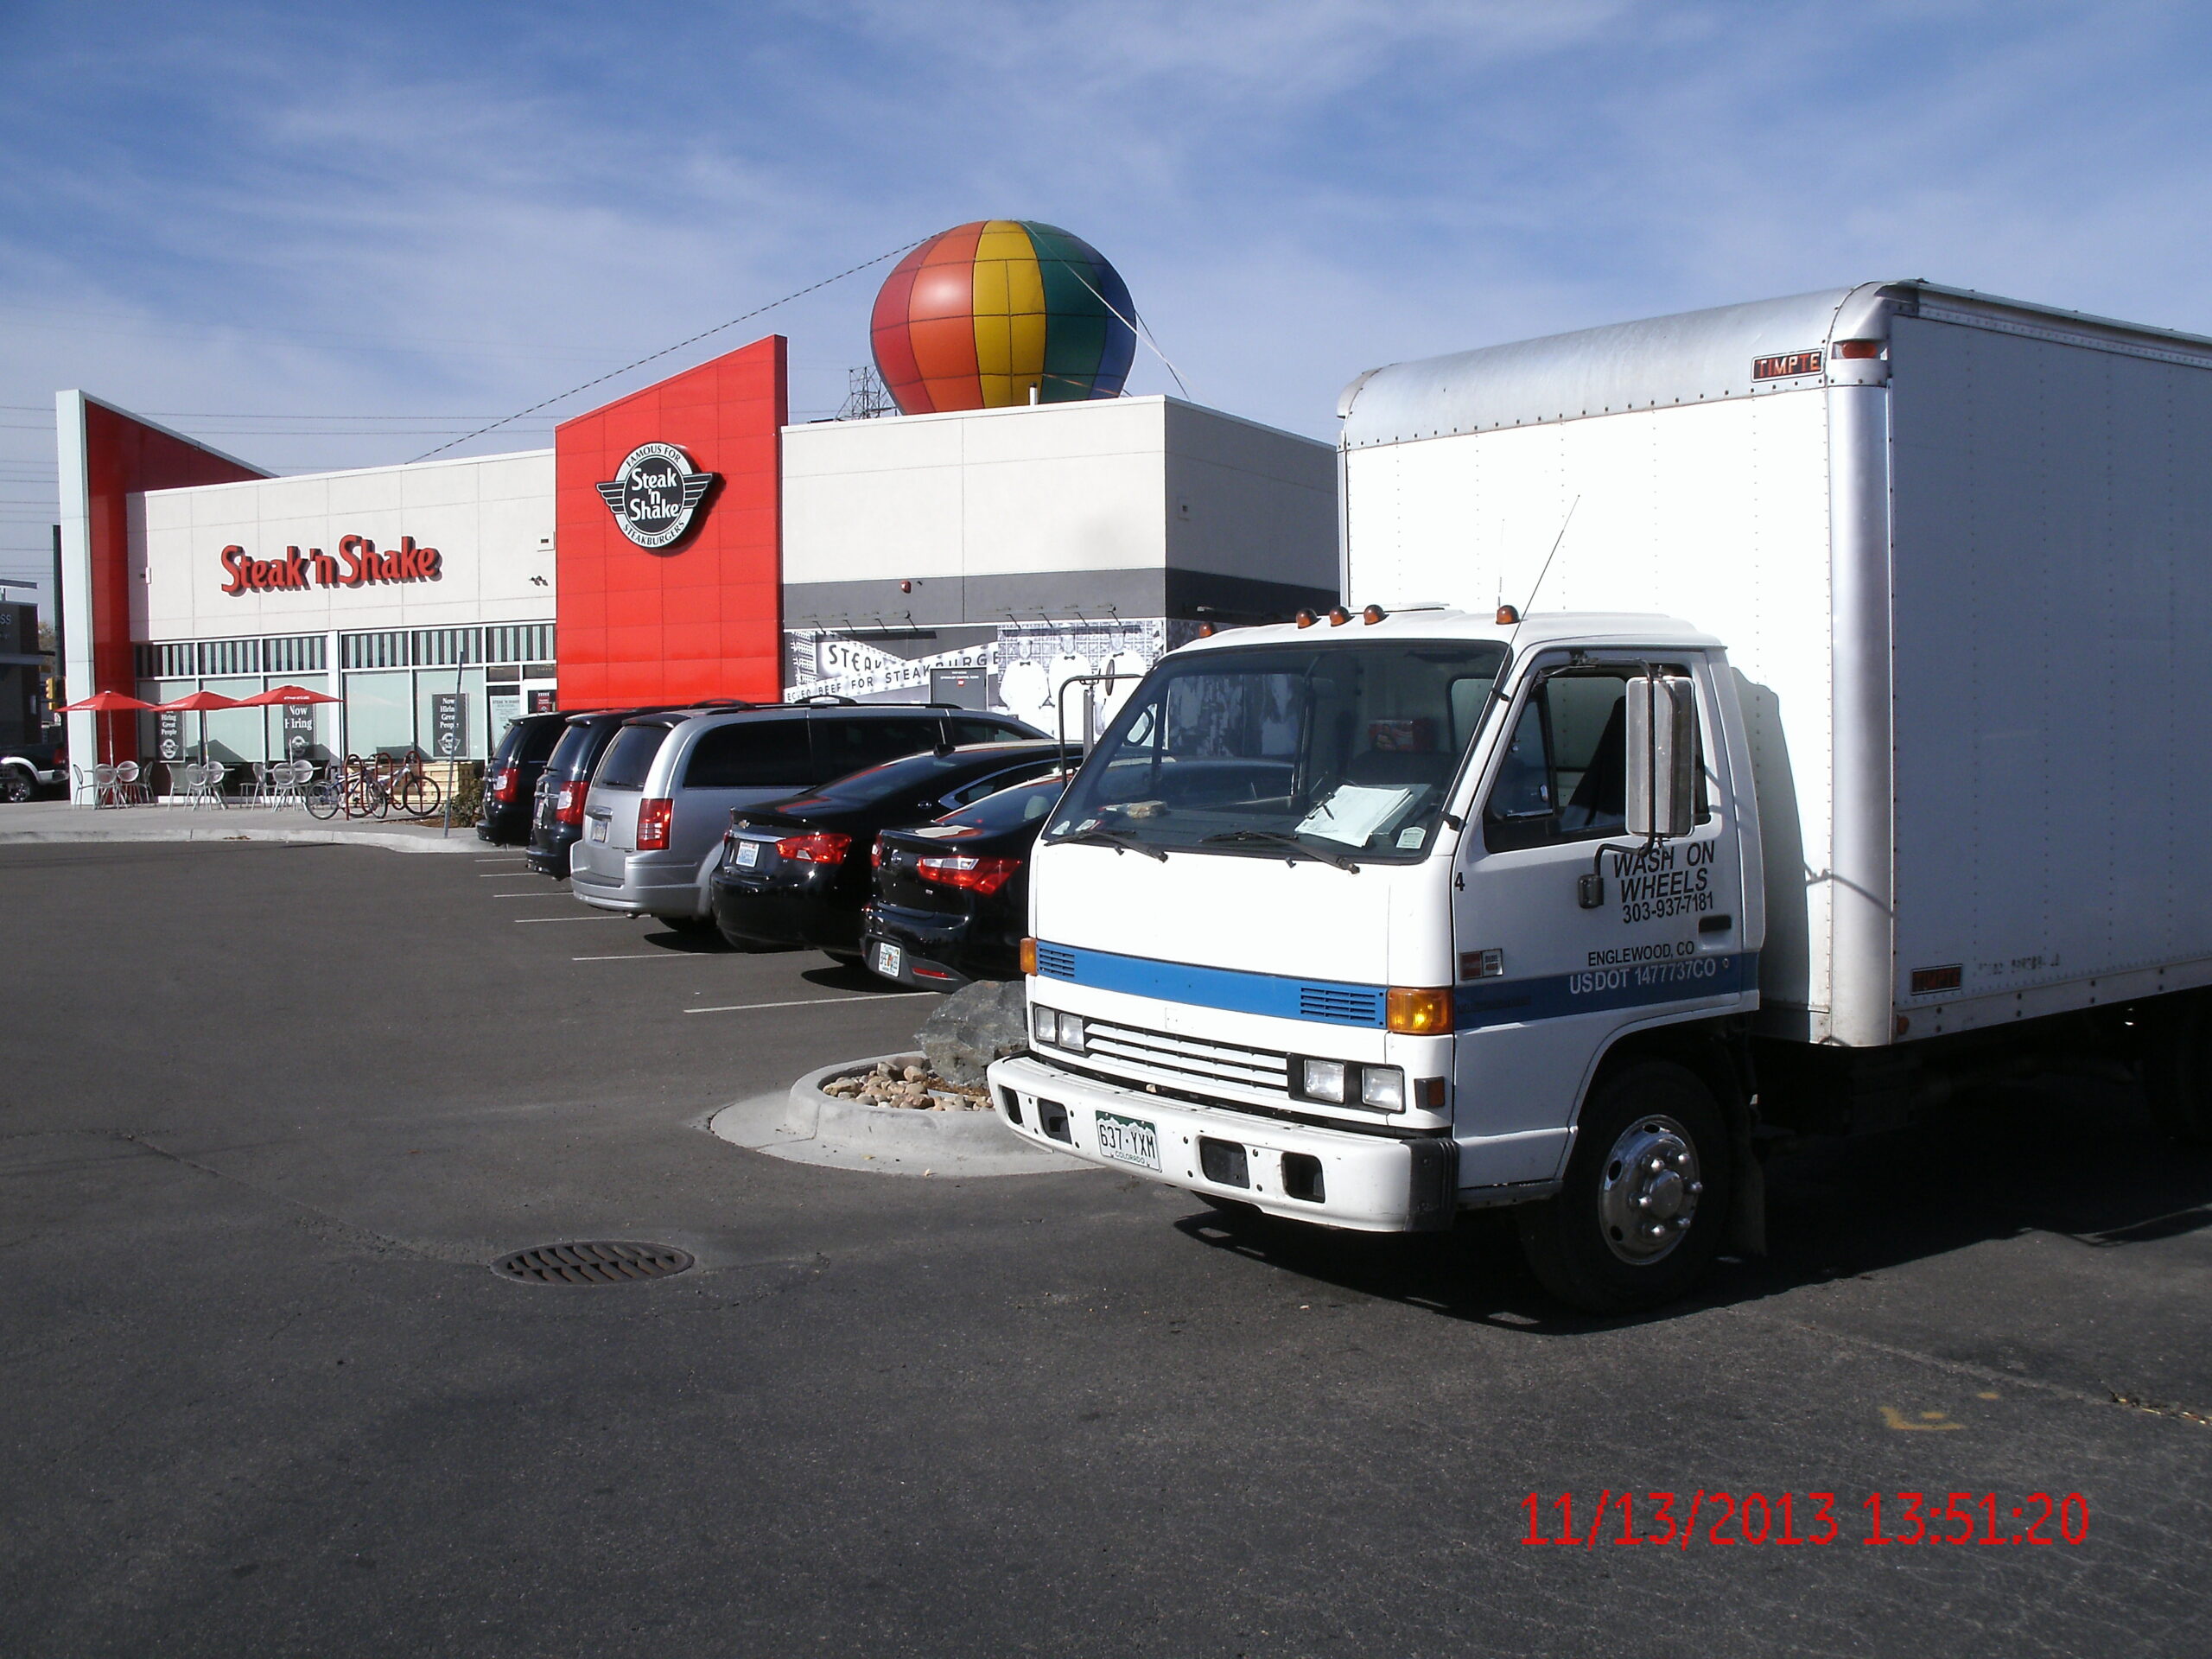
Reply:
x=491 y=519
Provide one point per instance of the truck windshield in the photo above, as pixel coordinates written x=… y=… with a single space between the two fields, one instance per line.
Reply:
x=1336 y=748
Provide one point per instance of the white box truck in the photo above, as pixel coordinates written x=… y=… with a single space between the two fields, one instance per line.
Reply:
x=1757 y=719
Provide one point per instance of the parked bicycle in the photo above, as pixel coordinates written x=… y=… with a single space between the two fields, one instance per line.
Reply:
x=377 y=787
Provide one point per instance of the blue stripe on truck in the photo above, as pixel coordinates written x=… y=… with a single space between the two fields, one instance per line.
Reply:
x=1476 y=1004
x=1484 y=1002
x=1233 y=989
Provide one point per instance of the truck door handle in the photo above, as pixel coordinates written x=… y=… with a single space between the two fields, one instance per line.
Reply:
x=1715 y=923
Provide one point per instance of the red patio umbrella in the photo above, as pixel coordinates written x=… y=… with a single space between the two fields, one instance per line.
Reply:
x=292 y=696
x=198 y=703
x=102 y=702
x=276 y=695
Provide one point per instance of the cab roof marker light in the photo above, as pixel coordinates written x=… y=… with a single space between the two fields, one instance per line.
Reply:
x=1304 y=619
x=1338 y=616
x=1373 y=615
x=1508 y=617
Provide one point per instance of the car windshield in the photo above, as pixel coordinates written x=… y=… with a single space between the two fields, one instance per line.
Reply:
x=1009 y=809
x=569 y=750
x=630 y=757
x=1335 y=748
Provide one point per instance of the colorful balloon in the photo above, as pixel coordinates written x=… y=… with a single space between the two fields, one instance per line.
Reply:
x=980 y=314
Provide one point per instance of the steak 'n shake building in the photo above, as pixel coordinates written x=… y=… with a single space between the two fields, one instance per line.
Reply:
x=683 y=542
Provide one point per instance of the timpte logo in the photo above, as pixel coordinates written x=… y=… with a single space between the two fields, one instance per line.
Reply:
x=656 y=494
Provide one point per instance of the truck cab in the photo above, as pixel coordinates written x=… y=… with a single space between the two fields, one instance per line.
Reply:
x=1364 y=919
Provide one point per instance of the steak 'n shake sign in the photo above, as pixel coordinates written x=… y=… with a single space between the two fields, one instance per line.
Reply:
x=358 y=565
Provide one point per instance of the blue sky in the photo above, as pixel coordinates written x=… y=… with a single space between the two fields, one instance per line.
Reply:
x=323 y=237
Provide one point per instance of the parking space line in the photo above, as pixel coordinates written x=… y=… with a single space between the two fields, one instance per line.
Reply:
x=813 y=1002
x=538 y=893
x=644 y=955
x=524 y=921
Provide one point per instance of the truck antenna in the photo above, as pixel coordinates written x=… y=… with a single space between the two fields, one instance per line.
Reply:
x=1553 y=554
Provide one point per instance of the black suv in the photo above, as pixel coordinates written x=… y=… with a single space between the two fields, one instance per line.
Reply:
x=511 y=778
x=556 y=819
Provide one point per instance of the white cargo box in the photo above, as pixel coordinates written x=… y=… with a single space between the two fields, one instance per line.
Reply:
x=1961 y=551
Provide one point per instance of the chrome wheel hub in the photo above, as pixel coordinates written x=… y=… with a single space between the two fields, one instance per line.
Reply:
x=1649 y=1190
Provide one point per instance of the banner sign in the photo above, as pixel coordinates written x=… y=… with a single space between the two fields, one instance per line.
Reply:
x=449 y=724
x=299 y=730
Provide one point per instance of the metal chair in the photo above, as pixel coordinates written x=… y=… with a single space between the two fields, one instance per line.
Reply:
x=288 y=782
x=257 y=792
x=127 y=785
x=83 y=789
x=103 y=785
x=216 y=772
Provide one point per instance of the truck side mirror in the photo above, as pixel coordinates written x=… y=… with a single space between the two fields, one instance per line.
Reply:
x=1662 y=756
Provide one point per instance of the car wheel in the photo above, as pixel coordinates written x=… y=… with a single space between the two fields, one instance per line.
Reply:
x=17 y=785
x=1644 y=1205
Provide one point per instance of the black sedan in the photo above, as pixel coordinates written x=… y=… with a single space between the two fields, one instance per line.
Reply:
x=952 y=897
x=798 y=871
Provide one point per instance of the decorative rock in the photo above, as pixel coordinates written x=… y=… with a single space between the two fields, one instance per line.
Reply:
x=975 y=1024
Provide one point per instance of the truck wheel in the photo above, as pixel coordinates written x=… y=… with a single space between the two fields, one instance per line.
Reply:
x=1645 y=1205
x=2177 y=1070
x=17 y=785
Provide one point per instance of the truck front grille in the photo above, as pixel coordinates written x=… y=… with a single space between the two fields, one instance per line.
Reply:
x=1156 y=1053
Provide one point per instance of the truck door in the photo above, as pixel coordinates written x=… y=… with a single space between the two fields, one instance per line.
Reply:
x=1544 y=983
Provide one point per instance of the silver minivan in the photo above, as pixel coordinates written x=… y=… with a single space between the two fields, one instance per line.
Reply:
x=662 y=796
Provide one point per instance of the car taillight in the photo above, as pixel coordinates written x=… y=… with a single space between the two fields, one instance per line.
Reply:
x=503 y=784
x=652 y=824
x=875 y=854
x=569 y=806
x=967 y=870
x=823 y=847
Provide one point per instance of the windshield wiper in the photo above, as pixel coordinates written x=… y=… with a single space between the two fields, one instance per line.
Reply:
x=1283 y=838
x=1118 y=841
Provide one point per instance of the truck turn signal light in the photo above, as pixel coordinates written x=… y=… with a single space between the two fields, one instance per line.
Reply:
x=1029 y=956
x=1418 y=1010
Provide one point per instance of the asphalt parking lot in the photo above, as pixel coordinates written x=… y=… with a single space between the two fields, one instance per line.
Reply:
x=267 y=1112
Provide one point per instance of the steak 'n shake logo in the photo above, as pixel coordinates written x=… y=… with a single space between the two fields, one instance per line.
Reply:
x=656 y=494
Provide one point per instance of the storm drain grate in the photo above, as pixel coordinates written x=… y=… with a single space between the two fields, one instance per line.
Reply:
x=597 y=1261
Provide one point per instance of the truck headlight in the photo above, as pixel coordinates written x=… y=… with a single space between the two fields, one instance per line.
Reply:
x=1322 y=1080
x=1382 y=1087
x=1057 y=1030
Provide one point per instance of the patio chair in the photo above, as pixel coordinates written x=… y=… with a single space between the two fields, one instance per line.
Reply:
x=128 y=789
x=84 y=790
x=288 y=782
x=103 y=785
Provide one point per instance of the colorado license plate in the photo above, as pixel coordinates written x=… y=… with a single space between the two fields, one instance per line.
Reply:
x=1129 y=1140
x=887 y=958
x=748 y=854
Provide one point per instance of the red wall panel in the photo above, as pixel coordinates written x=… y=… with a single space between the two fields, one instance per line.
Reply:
x=123 y=456
x=703 y=618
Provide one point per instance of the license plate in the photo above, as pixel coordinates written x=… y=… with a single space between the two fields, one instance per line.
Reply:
x=1129 y=1140
x=748 y=854
x=887 y=958
x=596 y=829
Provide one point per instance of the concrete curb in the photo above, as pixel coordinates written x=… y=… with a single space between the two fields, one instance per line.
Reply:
x=228 y=829
x=805 y=1125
